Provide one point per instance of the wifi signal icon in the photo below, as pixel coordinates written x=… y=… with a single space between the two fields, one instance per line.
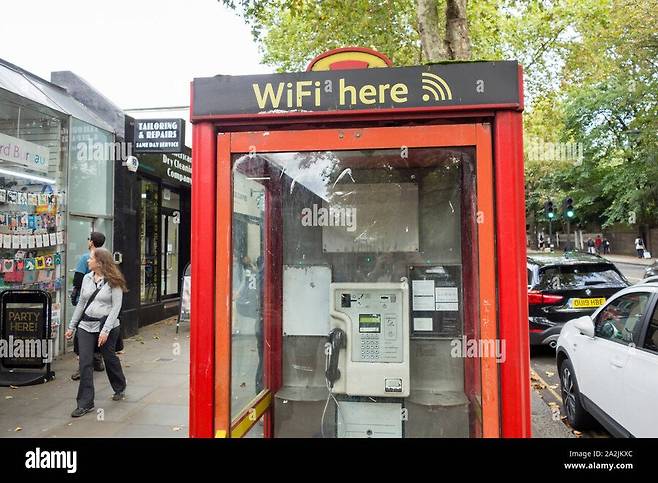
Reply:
x=436 y=86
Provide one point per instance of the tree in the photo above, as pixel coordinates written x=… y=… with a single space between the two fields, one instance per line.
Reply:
x=456 y=45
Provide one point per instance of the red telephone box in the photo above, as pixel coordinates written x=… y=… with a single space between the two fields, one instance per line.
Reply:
x=358 y=252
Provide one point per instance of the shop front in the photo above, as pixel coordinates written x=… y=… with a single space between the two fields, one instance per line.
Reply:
x=154 y=229
x=52 y=195
x=359 y=237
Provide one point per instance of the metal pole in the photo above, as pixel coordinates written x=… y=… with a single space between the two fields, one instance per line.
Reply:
x=550 y=233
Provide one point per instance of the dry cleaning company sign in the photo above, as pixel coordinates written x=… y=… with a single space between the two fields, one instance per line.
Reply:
x=159 y=135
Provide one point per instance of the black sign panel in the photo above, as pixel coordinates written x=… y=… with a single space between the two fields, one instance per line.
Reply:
x=436 y=85
x=159 y=135
x=173 y=168
x=25 y=341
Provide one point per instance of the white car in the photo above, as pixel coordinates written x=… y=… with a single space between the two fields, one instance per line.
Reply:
x=608 y=364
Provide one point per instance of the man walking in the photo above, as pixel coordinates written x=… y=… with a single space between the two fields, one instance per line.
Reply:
x=95 y=240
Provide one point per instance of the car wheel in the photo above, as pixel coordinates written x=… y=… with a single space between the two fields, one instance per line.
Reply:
x=576 y=415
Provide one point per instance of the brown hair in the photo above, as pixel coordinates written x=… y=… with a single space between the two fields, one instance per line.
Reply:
x=108 y=269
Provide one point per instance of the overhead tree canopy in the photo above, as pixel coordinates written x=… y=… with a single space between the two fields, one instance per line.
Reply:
x=591 y=77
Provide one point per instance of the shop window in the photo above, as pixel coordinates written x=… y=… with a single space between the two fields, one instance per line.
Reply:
x=91 y=170
x=32 y=202
x=170 y=235
x=149 y=239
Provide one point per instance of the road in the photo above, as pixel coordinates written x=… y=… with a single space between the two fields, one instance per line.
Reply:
x=634 y=273
x=544 y=373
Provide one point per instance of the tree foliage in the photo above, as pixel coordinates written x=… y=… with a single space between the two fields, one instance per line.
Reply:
x=591 y=79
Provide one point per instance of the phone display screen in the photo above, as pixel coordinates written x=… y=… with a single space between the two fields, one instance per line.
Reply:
x=370 y=323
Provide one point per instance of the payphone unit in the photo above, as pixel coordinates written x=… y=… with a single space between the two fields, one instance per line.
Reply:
x=369 y=340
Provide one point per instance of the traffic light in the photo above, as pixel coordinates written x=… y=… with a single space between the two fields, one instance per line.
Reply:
x=567 y=208
x=549 y=210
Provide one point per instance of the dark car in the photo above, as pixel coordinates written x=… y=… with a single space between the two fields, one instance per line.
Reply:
x=651 y=270
x=564 y=287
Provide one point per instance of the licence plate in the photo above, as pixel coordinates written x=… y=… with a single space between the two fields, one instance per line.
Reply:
x=587 y=303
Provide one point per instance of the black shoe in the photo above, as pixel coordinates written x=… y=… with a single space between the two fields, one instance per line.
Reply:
x=99 y=366
x=118 y=396
x=77 y=412
x=75 y=376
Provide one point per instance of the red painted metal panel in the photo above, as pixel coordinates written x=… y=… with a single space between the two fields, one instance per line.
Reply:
x=203 y=275
x=512 y=288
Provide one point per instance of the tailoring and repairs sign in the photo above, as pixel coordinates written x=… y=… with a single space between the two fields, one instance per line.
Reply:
x=24 y=153
x=428 y=86
x=159 y=135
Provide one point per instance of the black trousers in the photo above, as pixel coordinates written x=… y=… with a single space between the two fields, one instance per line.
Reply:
x=87 y=342
x=98 y=358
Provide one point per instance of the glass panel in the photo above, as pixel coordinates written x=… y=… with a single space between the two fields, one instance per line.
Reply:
x=79 y=230
x=391 y=229
x=149 y=238
x=621 y=320
x=92 y=168
x=246 y=366
x=170 y=199
x=171 y=256
x=105 y=226
x=651 y=339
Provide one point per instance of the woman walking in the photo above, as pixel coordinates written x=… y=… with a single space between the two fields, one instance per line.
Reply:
x=96 y=319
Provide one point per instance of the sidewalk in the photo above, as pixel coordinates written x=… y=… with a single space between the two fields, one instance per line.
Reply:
x=543 y=424
x=156 y=364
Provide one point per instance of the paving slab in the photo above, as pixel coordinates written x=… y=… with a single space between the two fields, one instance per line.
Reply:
x=156 y=365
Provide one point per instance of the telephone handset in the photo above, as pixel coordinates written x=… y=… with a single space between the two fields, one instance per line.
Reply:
x=336 y=342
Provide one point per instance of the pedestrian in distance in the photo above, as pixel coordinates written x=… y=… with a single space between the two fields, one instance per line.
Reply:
x=591 y=246
x=96 y=240
x=639 y=247
x=606 y=246
x=96 y=321
x=597 y=243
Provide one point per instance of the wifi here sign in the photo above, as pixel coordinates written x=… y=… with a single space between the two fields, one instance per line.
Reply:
x=453 y=84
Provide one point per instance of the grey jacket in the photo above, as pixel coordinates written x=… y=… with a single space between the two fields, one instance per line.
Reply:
x=107 y=302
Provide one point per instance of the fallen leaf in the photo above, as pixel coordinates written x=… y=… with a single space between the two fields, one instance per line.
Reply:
x=9 y=397
x=244 y=384
x=550 y=374
x=156 y=337
x=70 y=424
x=577 y=433
x=554 y=386
x=18 y=428
x=176 y=428
x=13 y=387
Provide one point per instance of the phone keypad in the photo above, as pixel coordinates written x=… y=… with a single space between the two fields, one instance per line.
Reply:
x=370 y=348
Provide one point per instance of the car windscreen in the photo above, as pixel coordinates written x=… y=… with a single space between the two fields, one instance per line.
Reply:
x=568 y=277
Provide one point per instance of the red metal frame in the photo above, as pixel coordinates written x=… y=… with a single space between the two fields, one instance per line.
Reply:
x=202 y=362
x=509 y=211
